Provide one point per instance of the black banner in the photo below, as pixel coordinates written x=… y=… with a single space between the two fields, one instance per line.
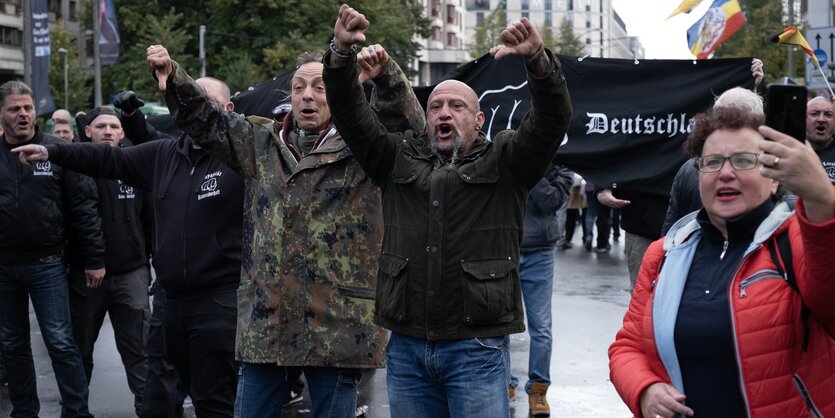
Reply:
x=40 y=57
x=630 y=117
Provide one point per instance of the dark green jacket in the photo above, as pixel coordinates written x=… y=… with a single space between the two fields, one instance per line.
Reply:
x=452 y=232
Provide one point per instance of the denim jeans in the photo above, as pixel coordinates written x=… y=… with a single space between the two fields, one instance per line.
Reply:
x=200 y=343
x=45 y=282
x=536 y=270
x=264 y=388
x=448 y=378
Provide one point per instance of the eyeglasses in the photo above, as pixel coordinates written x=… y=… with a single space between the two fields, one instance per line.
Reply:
x=739 y=161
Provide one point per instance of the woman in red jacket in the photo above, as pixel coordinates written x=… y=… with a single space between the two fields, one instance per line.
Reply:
x=714 y=328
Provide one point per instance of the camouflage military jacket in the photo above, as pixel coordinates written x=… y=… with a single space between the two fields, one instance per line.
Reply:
x=313 y=228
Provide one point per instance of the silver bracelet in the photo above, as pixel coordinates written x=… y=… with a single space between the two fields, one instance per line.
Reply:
x=536 y=56
x=342 y=53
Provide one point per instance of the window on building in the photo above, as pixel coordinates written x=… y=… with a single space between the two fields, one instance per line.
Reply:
x=451 y=39
x=549 y=18
x=588 y=24
x=436 y=8
x=73 y=11
x=570 y=4
x=588 y=5
x=436 y=33
x=588 y=41
x=479 y=17
x=54 y=6
x=10 y=36
x=600 y=6
x=450 y=14
x=526 y=5
x=549 y=4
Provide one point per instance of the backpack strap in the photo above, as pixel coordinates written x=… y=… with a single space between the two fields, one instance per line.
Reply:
x=781 y=255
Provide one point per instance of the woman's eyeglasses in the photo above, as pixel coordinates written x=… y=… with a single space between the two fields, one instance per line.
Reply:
x=739 y=161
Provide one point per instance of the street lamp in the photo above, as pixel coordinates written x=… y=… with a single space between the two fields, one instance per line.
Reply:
x=66 y=79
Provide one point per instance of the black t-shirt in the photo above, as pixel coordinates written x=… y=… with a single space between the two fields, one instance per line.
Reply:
x=827 y=156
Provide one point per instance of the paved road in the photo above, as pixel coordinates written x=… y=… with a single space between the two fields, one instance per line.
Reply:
x=589 y=302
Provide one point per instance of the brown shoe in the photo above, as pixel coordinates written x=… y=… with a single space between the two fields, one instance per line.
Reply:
x=537 y=400
x=511 y=392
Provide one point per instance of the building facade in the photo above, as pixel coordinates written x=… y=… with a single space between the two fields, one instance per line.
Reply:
x=444 y=50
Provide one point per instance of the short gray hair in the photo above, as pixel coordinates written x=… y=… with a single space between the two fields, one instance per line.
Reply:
x=741 y=98
x=14 y=87
x=309 y=56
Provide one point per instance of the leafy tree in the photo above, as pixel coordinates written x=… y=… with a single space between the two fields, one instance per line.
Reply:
x=132 y=73
x=488 y=32
x=764 y=19
x=568 y=43
x=79 y=86
x=271 y=32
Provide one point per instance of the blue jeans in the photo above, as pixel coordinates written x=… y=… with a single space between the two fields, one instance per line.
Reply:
x=448 y=378
x=264 y=388
x=45 y=282
x=536 y=270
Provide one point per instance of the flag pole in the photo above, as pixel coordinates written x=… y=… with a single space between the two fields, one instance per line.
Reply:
x=826 y=80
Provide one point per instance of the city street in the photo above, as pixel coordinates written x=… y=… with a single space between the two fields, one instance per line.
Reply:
x=589 y=300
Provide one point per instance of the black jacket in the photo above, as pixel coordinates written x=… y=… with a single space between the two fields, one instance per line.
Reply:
x=540 y=227
x=127 y=222
x=44 y=205
x=684 y=195
x=198 y=207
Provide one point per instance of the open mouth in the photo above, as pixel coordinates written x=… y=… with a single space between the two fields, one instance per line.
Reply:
x=820 y=129
x=444 y=130
x=309 y=112
x=727 y=193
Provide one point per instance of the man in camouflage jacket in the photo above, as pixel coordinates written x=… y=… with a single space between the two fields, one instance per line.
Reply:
x=313 y=227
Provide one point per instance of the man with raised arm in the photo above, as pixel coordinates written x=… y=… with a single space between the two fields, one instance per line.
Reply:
x=453 y=204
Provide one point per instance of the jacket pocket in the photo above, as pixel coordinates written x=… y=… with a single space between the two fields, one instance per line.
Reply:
x=488 y=291
x=807 y=397
x=391 y=288
x=756 y=278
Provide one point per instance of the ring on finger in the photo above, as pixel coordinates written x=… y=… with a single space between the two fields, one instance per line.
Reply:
x=776 y=162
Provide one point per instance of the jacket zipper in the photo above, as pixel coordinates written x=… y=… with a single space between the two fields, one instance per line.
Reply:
x=807 y=398
x=765 y=274
x=724 y=250
x=733 y=326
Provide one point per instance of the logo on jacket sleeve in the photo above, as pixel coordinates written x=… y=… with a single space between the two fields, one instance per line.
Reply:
x=209 y=188
x=42 y=168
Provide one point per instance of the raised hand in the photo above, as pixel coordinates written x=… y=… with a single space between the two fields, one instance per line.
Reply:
x=160 y=63
x=520 y=38
x=349 y=28
x=372 y=60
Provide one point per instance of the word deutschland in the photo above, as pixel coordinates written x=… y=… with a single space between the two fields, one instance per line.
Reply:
x=671 y=126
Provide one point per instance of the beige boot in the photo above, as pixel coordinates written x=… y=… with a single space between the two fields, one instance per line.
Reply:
x=537 y=400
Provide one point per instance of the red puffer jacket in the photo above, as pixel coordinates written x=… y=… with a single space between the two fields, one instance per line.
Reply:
x=779 y=378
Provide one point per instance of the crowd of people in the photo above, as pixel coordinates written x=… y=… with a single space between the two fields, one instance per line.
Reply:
x=348 y=234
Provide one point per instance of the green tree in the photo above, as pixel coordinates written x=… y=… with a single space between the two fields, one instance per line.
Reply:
x=79 y=86
x=132 y=73
x=488 y=32
x=764 y=19
x=568 y=43
x=271 y=32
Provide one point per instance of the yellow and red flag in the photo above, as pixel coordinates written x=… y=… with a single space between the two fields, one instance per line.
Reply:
x=722 y=19
x=792 y=36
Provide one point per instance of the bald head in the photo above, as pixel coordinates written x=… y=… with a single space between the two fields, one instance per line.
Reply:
x=61 y=114
x=453 y=119
x=217 y=91
x=820 y=122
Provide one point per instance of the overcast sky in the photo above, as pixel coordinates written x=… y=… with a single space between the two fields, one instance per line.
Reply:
x=661 y=38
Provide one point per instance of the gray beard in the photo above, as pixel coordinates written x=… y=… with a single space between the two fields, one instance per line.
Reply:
x=456 y=145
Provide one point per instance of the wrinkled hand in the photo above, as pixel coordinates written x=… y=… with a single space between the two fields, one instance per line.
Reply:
x=160 y=63
x=127 y=102
x=349 y=28
x=94 y=277
x=796 y=166
x=520 y=38
x=606 y=197
x=31 y=153
x=371 y=60
x=757 y=71
x=663 y=400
